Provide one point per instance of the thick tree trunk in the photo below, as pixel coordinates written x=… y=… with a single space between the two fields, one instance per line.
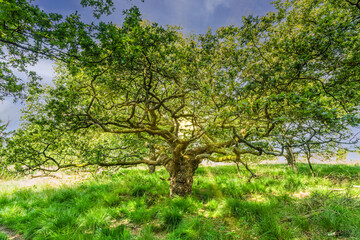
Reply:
x=290 y=158
x=181 y=176
x=152 y=169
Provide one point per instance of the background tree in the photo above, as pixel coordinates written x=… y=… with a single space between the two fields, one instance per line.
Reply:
x=311 y=43
x=312 y=138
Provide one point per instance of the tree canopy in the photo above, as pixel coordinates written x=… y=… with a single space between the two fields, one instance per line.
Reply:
x=143 y=93
x=28 y=34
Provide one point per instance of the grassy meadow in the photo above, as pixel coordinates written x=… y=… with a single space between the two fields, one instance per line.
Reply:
x=132 y=204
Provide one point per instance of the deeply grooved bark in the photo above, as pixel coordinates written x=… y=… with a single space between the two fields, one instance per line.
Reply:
x=181 y=176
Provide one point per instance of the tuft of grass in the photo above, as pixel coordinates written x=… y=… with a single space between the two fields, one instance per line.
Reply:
x=292 y=184
x=3 y=236
x=199 y=228
x=188 y=204
x=142 y=214
x=139 y=191
x=147 y=234
x=94 y=218
x=120 y=232
x=172 y=217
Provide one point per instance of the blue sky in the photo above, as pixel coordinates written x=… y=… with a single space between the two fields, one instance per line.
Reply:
x=194 y=16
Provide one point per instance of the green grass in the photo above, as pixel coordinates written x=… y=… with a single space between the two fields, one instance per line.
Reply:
x=3 y=236
x=132 y=204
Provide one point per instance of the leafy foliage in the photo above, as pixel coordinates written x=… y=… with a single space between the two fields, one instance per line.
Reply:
x=28 y=34
x=285 y=80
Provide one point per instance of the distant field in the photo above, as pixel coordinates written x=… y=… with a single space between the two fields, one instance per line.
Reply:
x=131 y=204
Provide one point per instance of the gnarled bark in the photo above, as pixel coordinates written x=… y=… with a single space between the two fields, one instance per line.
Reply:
x=181 y=172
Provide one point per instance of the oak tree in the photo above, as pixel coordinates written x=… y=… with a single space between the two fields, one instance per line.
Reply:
x=151 y=95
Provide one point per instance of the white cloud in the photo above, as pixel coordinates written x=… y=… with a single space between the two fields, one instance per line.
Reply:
x=10 y=111
x=211 y=5
x=45 y=69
